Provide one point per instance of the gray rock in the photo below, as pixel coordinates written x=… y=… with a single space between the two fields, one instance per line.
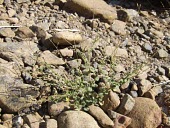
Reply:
x=17 y=121
x=161 y=54
x=51 y=123
x=18 y=96
x=44 y=25
x=127 y=15
x=11 y=57
x=76 y=119
x=100 y=116
x=27 y=77
x=144 y=86
x=40 y=32
x=168 y=72
x=120 y=121
x=7 y=32
x=47 y=57
x=21 y=49
x=134 y=94
x=119 y=27
x=127 y=104
x=15 y=94
x=75 y=63
x=145 y=114
x=54 y=109
x=111 y=101
x=29 y=60
x=86 y=8
x=161 y=70
x=147 y=47
x=33 y=120
x=87 y=44
x=66 y=38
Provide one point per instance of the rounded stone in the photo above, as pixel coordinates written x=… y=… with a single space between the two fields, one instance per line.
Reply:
x=76 y=119
x=145 y=114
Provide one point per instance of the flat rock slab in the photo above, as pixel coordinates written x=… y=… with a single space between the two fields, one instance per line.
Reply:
x=92 y=8
x=15 y=95
x=7 y=32
x=48 y=58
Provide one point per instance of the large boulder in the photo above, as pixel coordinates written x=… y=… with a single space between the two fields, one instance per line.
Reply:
x=15 y=95
x=145 y=114
x=76 y=119
x=90 y=9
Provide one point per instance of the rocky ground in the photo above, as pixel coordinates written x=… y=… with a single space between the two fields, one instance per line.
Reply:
x=84 y=64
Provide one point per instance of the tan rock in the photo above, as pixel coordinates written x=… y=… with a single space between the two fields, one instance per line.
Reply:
x=114 y=51
x=90 y=9
x=152 y=93
x=13 y=20
x=11 y=12
x=25 y=126
x=66 y=52
x=7 y=32
x=48 y=58
x=76 y=119
x=55 y=109
x=100 y=116
x=33 y=120
x=111 y=101
x=2 y=126
x=51 y=123
x=7 y=120
x=25 y=32
x=66 y=38
x=1 y=1
x=6 y=117
x=120 y=121
x=145 y=114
